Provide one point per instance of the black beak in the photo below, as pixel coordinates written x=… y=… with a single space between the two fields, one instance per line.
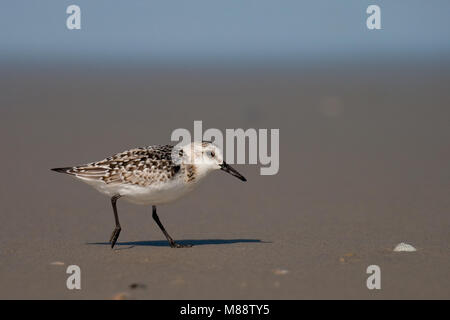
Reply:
x=225 y=167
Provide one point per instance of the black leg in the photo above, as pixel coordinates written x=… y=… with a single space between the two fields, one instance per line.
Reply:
x=172 y=243
x=116 y=231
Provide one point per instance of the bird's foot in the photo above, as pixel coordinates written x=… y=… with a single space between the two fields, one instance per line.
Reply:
x=177 y=245
x=114 y=236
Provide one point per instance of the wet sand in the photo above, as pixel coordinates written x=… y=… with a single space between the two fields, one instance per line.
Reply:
x=364 y=165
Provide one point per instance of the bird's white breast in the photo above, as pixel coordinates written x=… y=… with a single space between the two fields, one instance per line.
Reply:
x=154 y=194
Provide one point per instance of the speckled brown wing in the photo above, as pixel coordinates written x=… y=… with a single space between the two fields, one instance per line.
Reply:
x=139 y=166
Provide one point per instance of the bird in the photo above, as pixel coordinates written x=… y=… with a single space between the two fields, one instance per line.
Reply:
x=152 y=175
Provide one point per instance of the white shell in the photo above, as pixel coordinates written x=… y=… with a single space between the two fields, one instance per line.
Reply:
x=280 y=272
x=404 y=247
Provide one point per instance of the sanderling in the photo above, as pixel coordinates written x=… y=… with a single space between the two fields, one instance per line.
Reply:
x=151 y=176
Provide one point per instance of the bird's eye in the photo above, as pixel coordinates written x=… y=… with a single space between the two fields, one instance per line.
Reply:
x=211 y=154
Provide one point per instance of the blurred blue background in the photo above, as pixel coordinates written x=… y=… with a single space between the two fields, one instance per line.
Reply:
x=220 y=30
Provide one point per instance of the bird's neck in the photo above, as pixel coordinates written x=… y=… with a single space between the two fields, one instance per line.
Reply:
x=194 y=173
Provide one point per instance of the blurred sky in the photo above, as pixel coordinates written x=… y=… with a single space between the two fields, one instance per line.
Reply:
x=235 y=29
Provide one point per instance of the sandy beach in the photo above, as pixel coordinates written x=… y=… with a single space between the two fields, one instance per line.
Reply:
x=364 y=165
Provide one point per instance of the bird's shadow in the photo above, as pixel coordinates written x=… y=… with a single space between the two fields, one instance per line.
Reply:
x=164 y=243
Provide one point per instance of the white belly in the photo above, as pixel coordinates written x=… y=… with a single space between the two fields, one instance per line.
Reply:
x=154 y=194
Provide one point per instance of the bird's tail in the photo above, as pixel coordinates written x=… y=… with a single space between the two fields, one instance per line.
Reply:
x=63 y=170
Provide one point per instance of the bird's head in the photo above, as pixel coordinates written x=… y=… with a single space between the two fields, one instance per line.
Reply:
x=206 y=157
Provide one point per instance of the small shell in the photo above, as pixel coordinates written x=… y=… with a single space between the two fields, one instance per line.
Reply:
x=280 y=272
x=121 y=296
x=404 y=247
